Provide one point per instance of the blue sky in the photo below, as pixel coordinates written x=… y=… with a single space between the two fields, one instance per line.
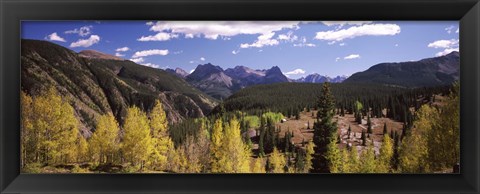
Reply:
x=299 y=48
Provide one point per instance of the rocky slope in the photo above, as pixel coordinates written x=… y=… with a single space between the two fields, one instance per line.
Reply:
x=96 y=86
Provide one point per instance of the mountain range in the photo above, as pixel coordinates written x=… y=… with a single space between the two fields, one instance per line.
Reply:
x=96 y=83
x=220 y=83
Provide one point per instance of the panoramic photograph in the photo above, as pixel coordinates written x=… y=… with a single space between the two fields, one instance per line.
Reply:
x=240 y=97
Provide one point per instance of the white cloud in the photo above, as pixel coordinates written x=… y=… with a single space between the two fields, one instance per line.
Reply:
x=342 y=44
x=150 y=23
x=119 y=55
x=86 y=42
x=191 y=62
x=178 y=52
x=396 y=45
x=235 y=52
x=262 y=40
x=342 y=23
x=146 y=53
x=215 y=29
x=337 y=59
x=191 y=71
x=357 y=31
x=443 y=43
x=295 y=72
x=54 y=37
x=305 y=45
x=82 y=31
x=458 y=29
x=138 y=60
x=288 y=37
x=447 y=51
x=161 y=36
x=449 y=29
x=150 y=65
x=123 y=49
x=448 y=46
x=352 y=56
x=202 y=59
x=261 y=50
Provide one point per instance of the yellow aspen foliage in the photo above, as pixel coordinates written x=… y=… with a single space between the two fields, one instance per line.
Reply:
x=236 y=154
x=333 y=156
x=158 y=120
x=216 y=153
x=310 y=150
x=161 y=139
x=345 y=158
x=178 y=161
x=354 y=162
x=258 y=165
x=104 y=143
x=28 y=134
x=137 y=142
x=413 y=151
x=368 y=163
x=444 y=138
x=276 y=162
x=82 y=149
x=386 y=154
x=56 y=127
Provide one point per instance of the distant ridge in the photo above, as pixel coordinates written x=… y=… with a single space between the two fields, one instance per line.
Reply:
x=443 y=70
x=93 y=54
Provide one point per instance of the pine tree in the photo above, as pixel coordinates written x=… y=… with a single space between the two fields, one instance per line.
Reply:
x=325 y=129
x=364 y=139
x=369 y=125
x=385 y=132
x=349 y=131
x=104 y=143
x=137 y=143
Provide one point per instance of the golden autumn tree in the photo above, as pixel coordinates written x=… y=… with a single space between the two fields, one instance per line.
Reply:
x=237 y=153
x=413 y=156
x=215 y=146
x=386 y=154
x=82 y=149
x=333 y=156
x=56 y=126
x=161 y=140
x=310 y=151
x=258 y=165
x=368 y=162
x=104 y=143
x=354 y=162
x=137 y=142
x=276 y=162
x=49 y=129
x=28 y=134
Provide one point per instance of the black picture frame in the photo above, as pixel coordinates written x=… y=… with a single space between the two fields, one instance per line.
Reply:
x=14 y=11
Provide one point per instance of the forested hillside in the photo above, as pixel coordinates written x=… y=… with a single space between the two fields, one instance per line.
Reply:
x=99 y=86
